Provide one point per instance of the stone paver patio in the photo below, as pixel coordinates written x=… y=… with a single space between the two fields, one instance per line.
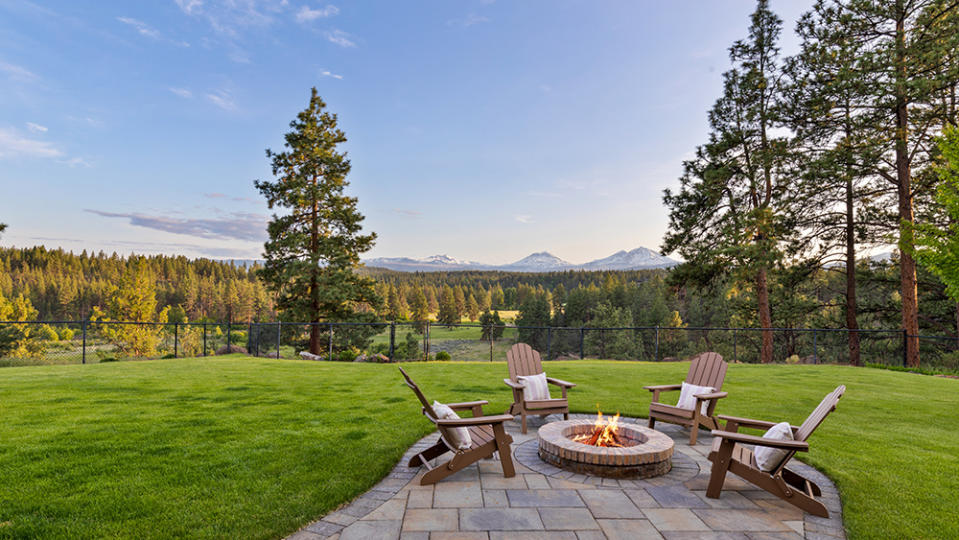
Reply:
x=544 y=502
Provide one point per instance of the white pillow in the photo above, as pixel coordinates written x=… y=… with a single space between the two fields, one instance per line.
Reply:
x=457 y=438
x=687 y=397
x=769 y=458
x=536 y=386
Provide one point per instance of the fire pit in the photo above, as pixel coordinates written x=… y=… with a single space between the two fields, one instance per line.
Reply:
x=606 y=448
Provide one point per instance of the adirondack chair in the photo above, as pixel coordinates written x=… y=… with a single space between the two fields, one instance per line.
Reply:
x=487 y=433
x=706 y=369
x=729 y=453
x=522 y=361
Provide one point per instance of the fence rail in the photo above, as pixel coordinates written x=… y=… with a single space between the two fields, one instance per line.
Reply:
x=62 y=342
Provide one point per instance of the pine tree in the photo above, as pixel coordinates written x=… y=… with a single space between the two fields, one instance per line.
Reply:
x=315 y=245
x=133 y=300
x=420 y=310
x=472 y=308
x=449 y=313
x=731 y=211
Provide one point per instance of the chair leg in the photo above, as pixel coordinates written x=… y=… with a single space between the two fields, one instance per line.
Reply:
x=717 y=477
x=502 y=446
x=566 y=415
x=652 y=422
x=693 y=434
x=522 y=416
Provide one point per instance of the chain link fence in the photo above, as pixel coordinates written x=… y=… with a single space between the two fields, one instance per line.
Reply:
x=79 y=342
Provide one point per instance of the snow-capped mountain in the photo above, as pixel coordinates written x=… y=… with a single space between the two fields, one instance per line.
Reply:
x=434 y=263
x=538 y=262
x=630 y=260
x=637 y=259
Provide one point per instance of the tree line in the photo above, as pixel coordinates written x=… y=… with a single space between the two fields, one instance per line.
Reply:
x=813 y=159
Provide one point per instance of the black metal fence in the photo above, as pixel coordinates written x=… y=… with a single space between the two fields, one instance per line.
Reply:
x=66 y=342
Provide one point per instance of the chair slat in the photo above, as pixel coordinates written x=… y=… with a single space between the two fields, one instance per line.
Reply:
x=826 y=406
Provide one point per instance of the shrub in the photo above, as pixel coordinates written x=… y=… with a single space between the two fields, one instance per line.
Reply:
x=230 y=349
x=346 y=355
x=442 y=356
x=47 y=333
x=66 y=334
x=794 y=359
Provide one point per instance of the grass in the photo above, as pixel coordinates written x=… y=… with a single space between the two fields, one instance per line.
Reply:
x=236 y=447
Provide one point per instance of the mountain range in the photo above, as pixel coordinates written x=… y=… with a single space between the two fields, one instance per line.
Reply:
x=638 y=259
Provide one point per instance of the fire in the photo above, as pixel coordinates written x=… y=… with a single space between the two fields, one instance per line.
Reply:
x=605 y=433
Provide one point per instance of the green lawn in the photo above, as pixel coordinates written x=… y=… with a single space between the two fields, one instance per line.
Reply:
x=236 y=447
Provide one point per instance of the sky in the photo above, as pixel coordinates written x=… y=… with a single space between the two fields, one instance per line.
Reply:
x=480 y=129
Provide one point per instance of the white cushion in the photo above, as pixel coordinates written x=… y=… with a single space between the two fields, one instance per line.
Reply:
x=769 y=458
x=456 y=438
x=687 y=397
x=536 y=386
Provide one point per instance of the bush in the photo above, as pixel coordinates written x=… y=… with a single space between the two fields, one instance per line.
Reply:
x=66 y=334
x=442 y=356
x=47 y=333
x=346 y=355
x=230 y=349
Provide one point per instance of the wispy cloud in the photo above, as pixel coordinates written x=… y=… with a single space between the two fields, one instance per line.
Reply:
x=189 y=6
x=331 y=74
x=468 y=21
x=405 y=212
x=306 y=14
x=76 y=162
x=182 y=92
x=523 y=218
x=16 y=72
x=222 y=99
x=88 y=120
x=341 y=38
x=239 y=225
x=141 y=27
x=14 y=145
x=228 y=17
x=225 y=196
x=36 y=128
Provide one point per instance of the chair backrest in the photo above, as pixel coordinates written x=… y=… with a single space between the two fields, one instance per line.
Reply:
x=427 y=408
x=826 y=406
x=707 y=369
x=522 y=361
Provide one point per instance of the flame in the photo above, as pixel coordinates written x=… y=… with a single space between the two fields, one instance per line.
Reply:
x=605 y=433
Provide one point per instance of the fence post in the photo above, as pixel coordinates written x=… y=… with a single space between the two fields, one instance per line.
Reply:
x=176 y=339
x=735 y=356
x=905 y=347
x=426 y=343
x=249 y=338
x=582 y=338
x=279 y=330
x=83 y=359
x=549 y=341
x=204 y=339
x=490 y=336
x=330 y=358
x=392 y=338
x=815 y=348
x=657 y=343
x=229 y=335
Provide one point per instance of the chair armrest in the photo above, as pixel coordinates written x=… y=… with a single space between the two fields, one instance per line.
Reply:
x=475 y=406
x=466 y=405
x=475 y=421
x=560 y=382
x=747 y=422
x=513 y=385
x=712 y=395
x=799 y=446
x=663 y=387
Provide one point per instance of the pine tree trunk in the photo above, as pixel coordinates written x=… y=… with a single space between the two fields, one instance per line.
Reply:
x=314 y=282
x=907 y=265
x=765 y=318
x=852 y=324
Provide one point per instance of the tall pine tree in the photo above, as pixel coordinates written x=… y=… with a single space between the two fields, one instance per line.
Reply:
x=315 y=244
x=730 y=213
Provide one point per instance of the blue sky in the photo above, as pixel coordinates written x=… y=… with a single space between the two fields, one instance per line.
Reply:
x=481 y=129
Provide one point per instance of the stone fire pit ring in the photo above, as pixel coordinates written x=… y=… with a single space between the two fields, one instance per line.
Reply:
x=651 y=456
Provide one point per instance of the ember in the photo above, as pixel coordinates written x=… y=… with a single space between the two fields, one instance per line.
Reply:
x=604 y=433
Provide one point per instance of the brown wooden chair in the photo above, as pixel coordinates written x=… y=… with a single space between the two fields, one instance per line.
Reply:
x=730 y=454
x=487 y=435
x=523 y=361
x=706 y=369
